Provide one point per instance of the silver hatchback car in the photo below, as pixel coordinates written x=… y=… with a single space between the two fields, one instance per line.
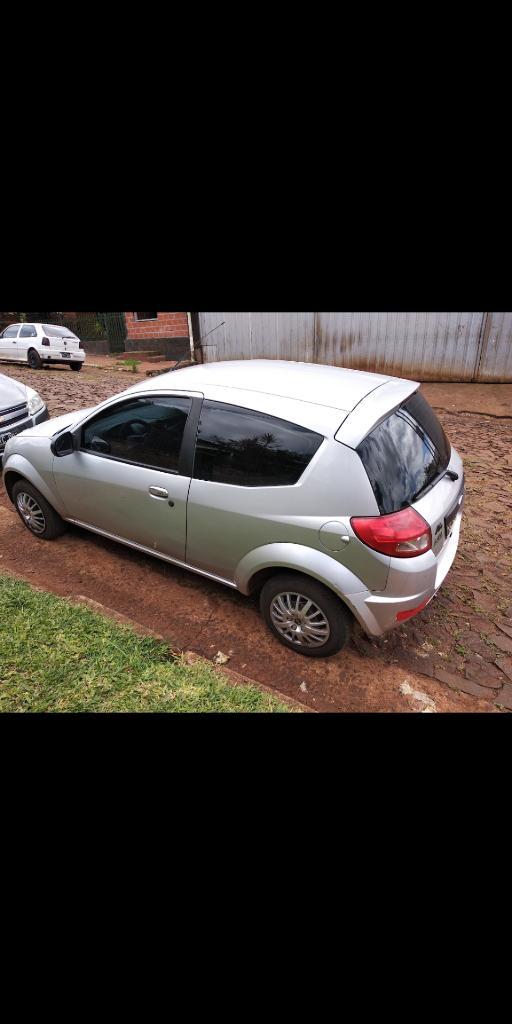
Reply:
x=333 y=493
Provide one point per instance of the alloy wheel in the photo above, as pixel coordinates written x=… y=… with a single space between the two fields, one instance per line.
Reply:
x=31 y=513
x=299 y=620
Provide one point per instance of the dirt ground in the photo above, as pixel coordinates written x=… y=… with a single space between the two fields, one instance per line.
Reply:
x=454 y=656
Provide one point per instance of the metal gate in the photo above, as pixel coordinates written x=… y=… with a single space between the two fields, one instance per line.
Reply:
x=427 y=346
x=257 y=335
x=423 y=346
x=496 y=356
x=115 y=329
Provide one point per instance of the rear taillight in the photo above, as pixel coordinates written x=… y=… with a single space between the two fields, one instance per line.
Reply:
x=46 y=342
x=402 y=534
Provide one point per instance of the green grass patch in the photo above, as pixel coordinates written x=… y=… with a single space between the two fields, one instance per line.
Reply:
x=57 y=656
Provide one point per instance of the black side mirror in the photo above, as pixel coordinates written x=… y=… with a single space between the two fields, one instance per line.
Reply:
x=63 y=444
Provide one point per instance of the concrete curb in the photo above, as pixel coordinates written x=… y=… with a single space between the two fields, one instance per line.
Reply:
x=110 y=613
x=236 y=679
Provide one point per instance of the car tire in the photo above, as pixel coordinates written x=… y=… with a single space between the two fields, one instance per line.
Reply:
x=34 y=360
x=327 y=622
x=76 y=366
x=35 y=513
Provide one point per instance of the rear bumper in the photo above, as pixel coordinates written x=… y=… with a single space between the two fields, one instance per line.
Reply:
x=55 y=357
x=413 y=583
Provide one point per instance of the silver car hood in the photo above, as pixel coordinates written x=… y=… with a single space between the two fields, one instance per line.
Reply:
x=11 y=392
x=53 y=426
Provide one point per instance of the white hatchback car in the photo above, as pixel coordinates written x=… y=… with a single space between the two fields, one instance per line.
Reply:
x=37 y=344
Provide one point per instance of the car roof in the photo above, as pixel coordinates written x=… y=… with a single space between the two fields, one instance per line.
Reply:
x=41 y=323
x=329 y=386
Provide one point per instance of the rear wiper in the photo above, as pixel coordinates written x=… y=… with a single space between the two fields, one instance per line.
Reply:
x=422 y=490
x=428 y=487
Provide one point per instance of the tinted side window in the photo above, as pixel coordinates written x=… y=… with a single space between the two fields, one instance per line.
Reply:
x=145 y=431
x=250 y=449
x=11 y=332
x=28 y=331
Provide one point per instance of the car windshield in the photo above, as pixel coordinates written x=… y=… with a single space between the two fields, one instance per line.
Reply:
x=405 y=454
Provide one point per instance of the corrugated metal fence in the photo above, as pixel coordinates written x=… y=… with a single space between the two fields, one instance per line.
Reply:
x=423 y=346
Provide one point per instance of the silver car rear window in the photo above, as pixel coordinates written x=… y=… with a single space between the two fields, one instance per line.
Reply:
x=405 y=455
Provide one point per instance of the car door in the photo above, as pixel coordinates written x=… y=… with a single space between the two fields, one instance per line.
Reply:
x=249 y=486
x=131 y=475
x=9 y=343
x=27 y=338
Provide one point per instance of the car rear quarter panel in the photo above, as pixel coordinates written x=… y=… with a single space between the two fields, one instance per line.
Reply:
x=317 y=564
x=227 y=523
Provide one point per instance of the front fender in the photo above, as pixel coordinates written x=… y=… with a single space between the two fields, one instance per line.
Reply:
x=302 y=559
x=18 y=464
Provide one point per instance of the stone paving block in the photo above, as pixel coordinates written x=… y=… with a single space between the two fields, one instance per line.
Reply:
x=505 y=697
x=484 y=675
x=505 y=666
x=502 y=642
x=465 y=685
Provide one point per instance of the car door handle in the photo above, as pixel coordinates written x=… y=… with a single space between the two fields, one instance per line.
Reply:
x=158 y=492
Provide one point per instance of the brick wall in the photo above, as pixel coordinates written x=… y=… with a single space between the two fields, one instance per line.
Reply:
x=167 y=325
